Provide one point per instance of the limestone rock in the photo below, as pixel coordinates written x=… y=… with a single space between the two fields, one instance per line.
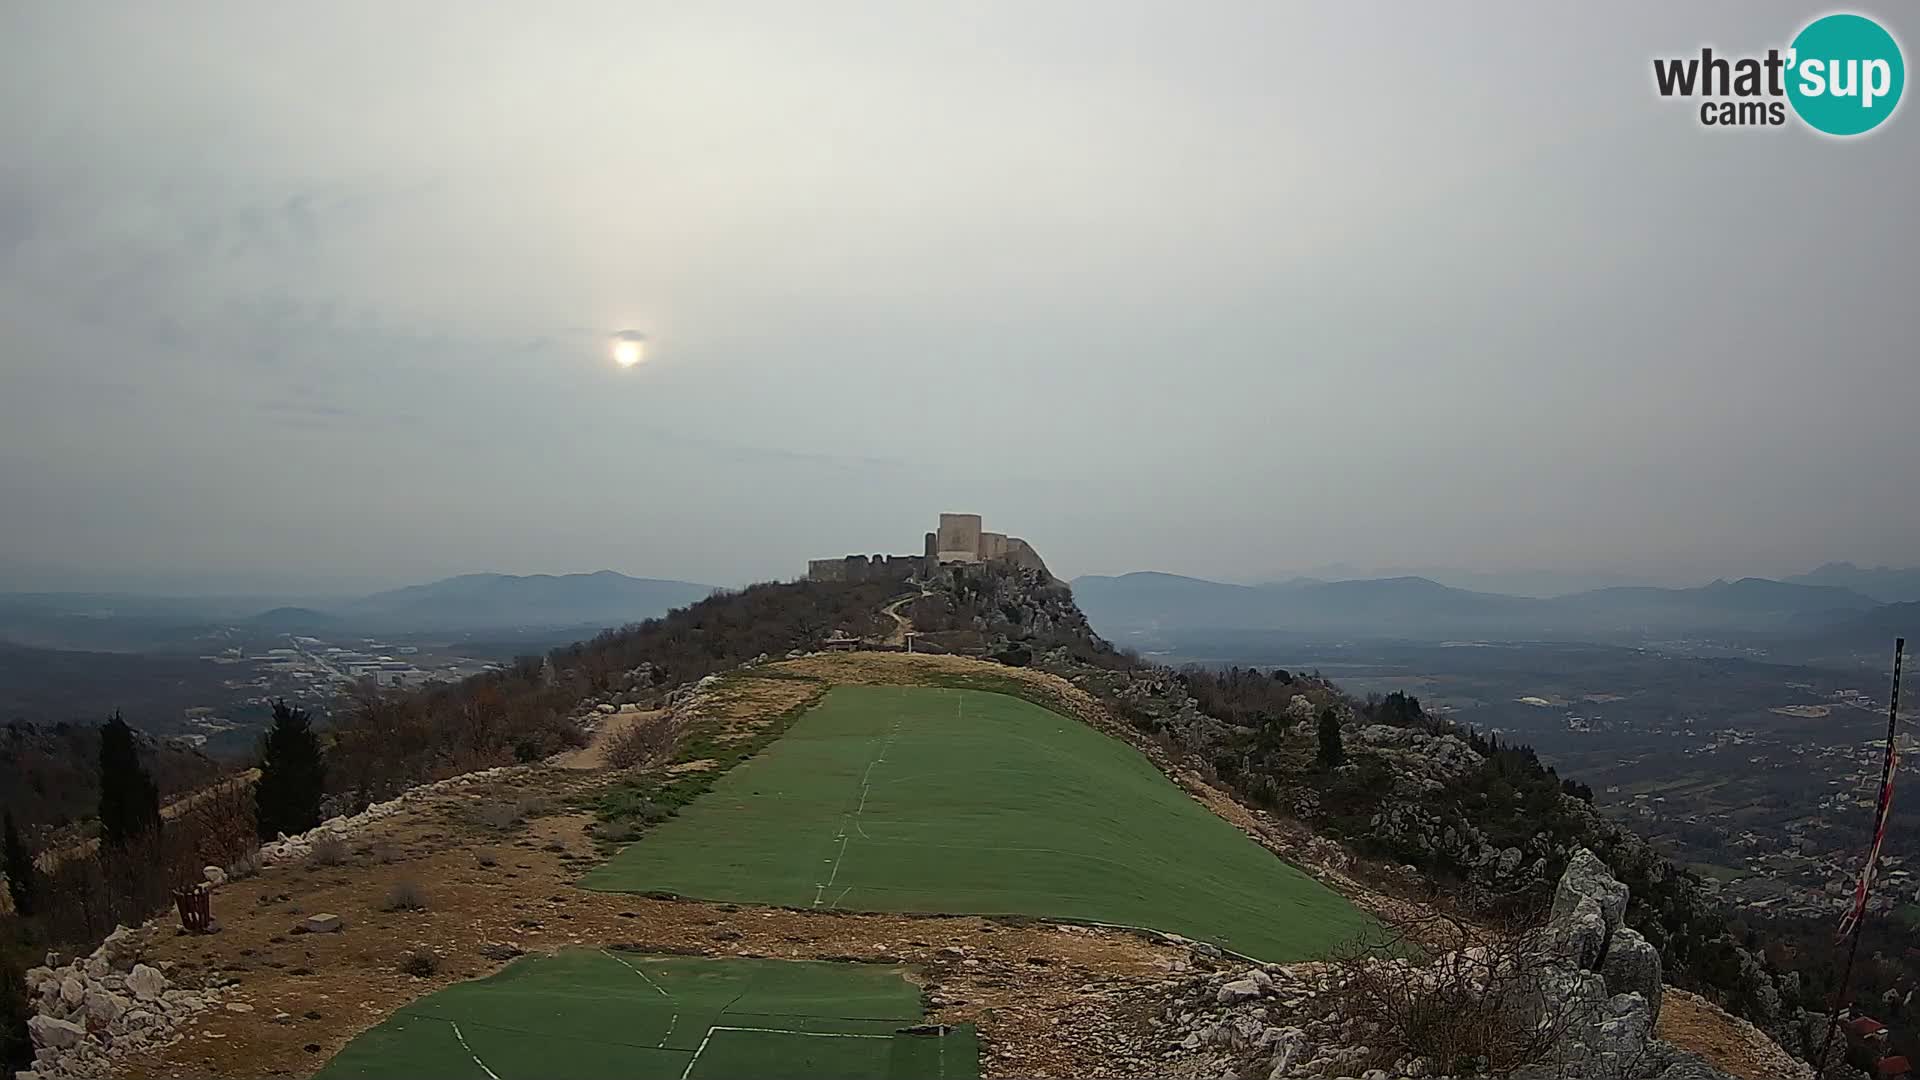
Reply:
x=120 y=950
x=1238 y=990
x=57 y=1034
x=324 y=923
x=1586 y=876
x=1632 y=966
x=146 y=983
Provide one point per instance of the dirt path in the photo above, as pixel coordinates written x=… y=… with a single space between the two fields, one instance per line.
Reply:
x=902 y=626
x=594 y=754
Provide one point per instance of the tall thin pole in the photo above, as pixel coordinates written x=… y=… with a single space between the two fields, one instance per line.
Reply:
x=1850 y=927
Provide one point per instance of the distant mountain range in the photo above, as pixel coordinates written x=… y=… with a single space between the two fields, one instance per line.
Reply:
x=1884 y=583
x=470 y=603
x=486 y=601
x=1418 y=608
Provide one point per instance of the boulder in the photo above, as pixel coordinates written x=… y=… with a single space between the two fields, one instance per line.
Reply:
x=55 y=1034
x=1632 y=966
x=1579 y=937
x=1237 y=991
x=146 y=983
x=1587 y=877
x=120 y=950
x=105 y=1006
x=72 y=990
x=215 y=876
x=324 y=923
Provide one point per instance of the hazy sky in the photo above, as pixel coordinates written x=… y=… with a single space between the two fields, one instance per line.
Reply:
x=302 y=295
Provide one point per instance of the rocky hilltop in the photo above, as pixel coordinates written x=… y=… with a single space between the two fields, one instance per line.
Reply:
x=1524 y=936
x=1576 y=999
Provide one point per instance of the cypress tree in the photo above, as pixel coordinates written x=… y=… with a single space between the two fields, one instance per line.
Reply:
x=20 y=870
x=129 y=799
x=1332 y=752
x=293 y=775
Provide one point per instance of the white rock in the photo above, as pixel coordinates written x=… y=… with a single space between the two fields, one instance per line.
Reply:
x=146 y=983
x=57 y=1034
x=72 y=990
x=324 y=923
x=105 y=1006
x=215 y=876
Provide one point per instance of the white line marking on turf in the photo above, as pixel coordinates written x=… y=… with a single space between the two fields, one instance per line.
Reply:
x=688 y=1071
x=672 y=1020
x=636 y=971
x=470 y=1053
x=866 y=788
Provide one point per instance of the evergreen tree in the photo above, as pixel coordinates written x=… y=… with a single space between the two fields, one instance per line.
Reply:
x=1332 y=752
x=20 y=871
x=293 y=775
x=129 y=799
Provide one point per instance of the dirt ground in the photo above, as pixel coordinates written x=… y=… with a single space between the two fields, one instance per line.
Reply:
x=594 y=754
x=1730 y=1044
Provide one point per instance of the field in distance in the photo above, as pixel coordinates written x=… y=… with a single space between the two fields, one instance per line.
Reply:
x=916 y=799
x=603 y=1013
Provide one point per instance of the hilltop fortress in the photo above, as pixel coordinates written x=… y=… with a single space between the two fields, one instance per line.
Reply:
x=959 y=539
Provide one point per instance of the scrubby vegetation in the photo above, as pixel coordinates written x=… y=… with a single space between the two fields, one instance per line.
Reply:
x=387 y=740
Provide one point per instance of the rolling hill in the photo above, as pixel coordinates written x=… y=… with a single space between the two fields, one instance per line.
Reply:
x=1416 y=608
x=482 y=601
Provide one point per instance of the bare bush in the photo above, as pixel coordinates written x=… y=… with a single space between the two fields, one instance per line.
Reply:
x=1477 y=1008
x=246 y=865
x=405 y=895
x=329 y=849
x=419 y=963
x=642 y=743
x=496 y=815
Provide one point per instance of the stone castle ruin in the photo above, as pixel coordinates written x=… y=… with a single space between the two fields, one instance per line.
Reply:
x=959 y=539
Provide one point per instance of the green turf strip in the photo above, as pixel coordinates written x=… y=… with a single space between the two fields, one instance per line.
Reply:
x=589 y=1013
x=917 y=799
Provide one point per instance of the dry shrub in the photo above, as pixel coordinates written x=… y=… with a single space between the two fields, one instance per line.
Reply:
x=405 y=896
x=1476 y=1008
x=244 y=866
x=329 y=849
x=219 y=822
x=642 y=743
x=419 y=963
x=496 y=815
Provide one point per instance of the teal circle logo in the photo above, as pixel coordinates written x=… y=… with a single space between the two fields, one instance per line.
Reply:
x=1845 y=74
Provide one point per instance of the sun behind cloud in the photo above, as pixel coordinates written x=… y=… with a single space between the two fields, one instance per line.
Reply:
x=629 y=348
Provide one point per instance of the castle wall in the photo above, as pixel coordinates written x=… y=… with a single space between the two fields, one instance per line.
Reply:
x=859 y=568
x=959 y=538
x=1021 y=553
x=826 y=569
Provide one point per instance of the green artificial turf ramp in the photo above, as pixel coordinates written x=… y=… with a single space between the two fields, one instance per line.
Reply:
x=586 y=1013
x=916 y=799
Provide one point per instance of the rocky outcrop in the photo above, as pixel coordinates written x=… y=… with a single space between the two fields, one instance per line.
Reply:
x=89 y=1013
x=1586 y=990
x=286 y=848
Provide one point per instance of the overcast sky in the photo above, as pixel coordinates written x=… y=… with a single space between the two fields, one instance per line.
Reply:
x=302 y=296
